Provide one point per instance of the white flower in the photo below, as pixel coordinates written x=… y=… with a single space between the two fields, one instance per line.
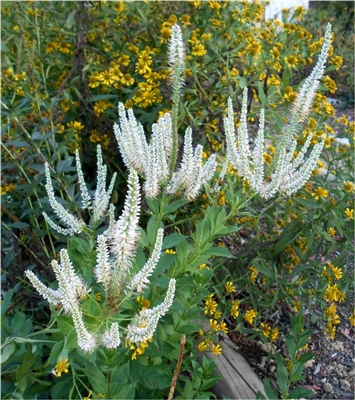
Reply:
x=111 y=337
x=103 y=265
x=144 y=325
x=140 y=281
x=286 y=175
x=123 y=234
x=52 y=296
x=74 y=224
x=86 y=340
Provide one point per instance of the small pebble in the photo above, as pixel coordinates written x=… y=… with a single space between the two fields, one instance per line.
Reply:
x=335 y=380
x=345 y=385
x=328 y=387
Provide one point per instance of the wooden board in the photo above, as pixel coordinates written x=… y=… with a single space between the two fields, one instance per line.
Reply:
x=238 y=380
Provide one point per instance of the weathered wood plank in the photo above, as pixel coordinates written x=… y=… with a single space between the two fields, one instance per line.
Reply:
x=238 y=380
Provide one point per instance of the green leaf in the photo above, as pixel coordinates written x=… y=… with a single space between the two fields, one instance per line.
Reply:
x=188 y=392
x=164 y=263
x=28 y=359
x=65 y=324
x=56 y=350
x=300 y=393
x=172 y=240
x=96 y=378
x=65 y=165
x=282 y=375
x=19 y=225
x=7 y=352
x=152 y=229
x=128 y=392
x=17 y=322
x=143 y=238
x=262 y=96
x=218 y=251
x=291 y=346
x=70 y=21
x=242 y=83
x=270 y=393
x=100 y=97
x=305 y=357
x=175 y=205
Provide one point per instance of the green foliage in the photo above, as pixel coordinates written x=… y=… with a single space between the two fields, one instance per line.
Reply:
x=64 y=73
x=341 y=15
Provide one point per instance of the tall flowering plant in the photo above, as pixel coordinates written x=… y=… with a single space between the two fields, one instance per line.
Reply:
x=166 y=187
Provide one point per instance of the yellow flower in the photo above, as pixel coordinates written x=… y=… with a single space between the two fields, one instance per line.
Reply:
x=223 y=327
x=337 y=60
x=142 y=68
x=170 y=251
x=333 y=293
x=199 y=50
x=338 y=273
x=348 y=186
x=328 y=142
x=207 y=36
x=331 y=310
x=274 y=334
x=349 y=213
x=203 y=266
x=75 y=125
x=352 y=319
x=331 y=232
x=265 y=330
x=98 y=296
x=329 y=84
x=214 y=5
x=185 y=20
x=95 y=79
x=275 y=52
x=107 y=77
x=203 y=345
x=214 y=324
x=127 y=80
x=100 y=107
x=165 y=34
x=235 y=308
x=61 y=366
x=290 y=95
x=229 y=287
x=250 y=316
x=216 y=349
x=273 y=81
x=124 y=60
x=320 y=192
x=253 y=48
x=10 y=187
x=267 y=158
x=254 y=274
x=210 y=306
x=64 y=47
x=291 y=61
x=297 y=306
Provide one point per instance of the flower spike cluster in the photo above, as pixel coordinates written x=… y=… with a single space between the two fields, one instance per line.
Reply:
x=287 y=174
x=115 y=250
x=71 y=289
x=98 y=204
x=144 y=325
x=156 y=160
x=192 y=174
x=152 y=160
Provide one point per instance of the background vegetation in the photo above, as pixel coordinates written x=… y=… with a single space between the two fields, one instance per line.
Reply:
x=64 y=70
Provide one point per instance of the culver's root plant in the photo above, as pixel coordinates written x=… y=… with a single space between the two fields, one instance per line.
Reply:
x=98 y=299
